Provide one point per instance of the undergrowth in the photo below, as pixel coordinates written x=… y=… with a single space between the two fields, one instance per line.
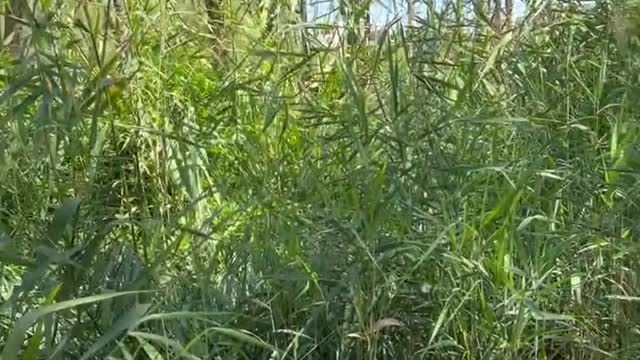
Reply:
x=181 y=183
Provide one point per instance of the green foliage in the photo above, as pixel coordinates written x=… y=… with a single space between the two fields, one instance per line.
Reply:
x=169 y=189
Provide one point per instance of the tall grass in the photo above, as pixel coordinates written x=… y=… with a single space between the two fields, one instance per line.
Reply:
x=181 y=183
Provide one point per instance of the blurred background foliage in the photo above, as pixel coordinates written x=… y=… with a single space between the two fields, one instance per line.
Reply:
x=234 y=179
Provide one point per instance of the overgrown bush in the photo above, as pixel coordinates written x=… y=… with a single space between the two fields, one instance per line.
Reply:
x=171 y=189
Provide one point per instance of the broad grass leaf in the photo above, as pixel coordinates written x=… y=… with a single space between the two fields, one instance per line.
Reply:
x=444 y=344
x=506 y=203
x=529 y=219
x=16 y=336
x=546 y=316
x=623 y=297
x=33 y=349
x=127 y=321
x=439 y=322
x=202 y=315
x=244 y=337
x=5 y=242
x=170 y=343
x=272 y=112
x=62 y=218
x=149 y=349
x=14 y=259
x=125 y=352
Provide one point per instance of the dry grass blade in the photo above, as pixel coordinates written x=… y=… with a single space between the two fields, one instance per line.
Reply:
x=385 y=323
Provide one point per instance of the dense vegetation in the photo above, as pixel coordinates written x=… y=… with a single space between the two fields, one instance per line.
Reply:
x=182 y=182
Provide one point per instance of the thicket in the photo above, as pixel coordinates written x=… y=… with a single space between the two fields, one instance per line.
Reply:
x=177 y=183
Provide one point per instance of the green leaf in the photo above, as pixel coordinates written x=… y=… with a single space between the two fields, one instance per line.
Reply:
x=243 y=336
x=543 y=315
x=19 y=331
x=151 y=351
x=62 y=219
x=123 y=349
x=33 y=349
x=143 y=336
x=13 y=259
x=529 y=219
x=127 y=321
